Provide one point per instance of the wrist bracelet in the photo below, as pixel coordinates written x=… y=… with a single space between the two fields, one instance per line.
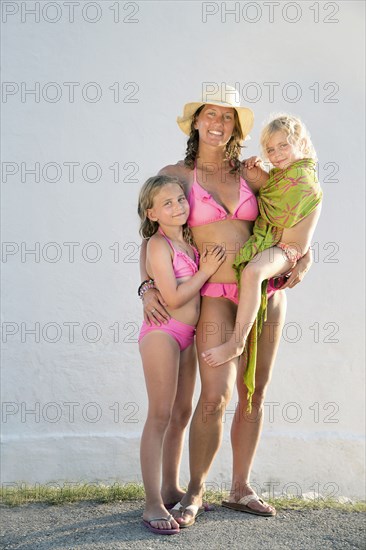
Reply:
x=144 y=286
x=143 y=282
x=145 y=289
x=146 y=282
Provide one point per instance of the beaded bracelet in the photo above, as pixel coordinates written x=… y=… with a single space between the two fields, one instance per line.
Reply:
x=145 y=286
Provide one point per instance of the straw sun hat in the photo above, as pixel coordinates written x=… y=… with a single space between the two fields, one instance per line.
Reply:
x=227 y=97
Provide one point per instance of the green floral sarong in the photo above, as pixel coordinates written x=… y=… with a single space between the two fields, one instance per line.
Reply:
x=288 y=196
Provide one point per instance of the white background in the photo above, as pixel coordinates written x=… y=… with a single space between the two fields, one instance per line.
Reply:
x=73 y=409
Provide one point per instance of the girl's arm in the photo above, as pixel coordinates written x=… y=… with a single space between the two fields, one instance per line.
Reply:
x=143 y=273
x=253 y=173
x=160 y=260
x=153 y=302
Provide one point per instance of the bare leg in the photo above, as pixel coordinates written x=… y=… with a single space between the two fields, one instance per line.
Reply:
x=271 y=262
x=171 y=491
x=161 y=377
x=216 y=390
x=247 y=427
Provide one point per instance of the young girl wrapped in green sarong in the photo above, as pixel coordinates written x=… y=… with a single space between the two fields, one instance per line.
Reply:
x=289 y=206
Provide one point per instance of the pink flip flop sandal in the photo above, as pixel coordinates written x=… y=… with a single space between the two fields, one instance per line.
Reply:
x=172 y=531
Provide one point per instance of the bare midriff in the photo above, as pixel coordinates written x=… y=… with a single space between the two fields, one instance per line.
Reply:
x=188 y=313
x=232 y=235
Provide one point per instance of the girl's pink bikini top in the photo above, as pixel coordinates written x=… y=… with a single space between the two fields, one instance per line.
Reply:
x=183 y=265
x=204 y=209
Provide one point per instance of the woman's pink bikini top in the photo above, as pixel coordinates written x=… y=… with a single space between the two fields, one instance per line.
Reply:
x=183 y=265
x=204 y=209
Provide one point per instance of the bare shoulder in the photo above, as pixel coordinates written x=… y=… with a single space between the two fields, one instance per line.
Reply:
x=156 y=243
x=178 y=170
x=158 y=250
x=172 y=169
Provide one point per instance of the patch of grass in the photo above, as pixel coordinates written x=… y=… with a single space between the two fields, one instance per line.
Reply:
x=295 y=503
x=316 y=504
x=70 y=492
x=97 y=492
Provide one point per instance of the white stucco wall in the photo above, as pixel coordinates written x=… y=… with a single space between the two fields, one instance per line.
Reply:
x=73 y=408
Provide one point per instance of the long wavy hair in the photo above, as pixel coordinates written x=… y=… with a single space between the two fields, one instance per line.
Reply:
x=233 y=146
x=148 y=192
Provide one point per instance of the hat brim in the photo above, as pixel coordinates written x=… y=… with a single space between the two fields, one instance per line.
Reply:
x=245 y=115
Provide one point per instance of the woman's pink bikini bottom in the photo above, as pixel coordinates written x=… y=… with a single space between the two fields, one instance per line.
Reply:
x=229 y=291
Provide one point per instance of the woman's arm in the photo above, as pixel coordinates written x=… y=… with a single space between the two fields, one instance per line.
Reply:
x=306 y=228
x=299 y=271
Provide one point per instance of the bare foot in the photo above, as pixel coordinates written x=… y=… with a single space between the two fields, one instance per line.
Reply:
x=263 y=506
x=186 y=511
x=257 y=504
x=159 y=512
x=222 y=354
x=171 y=498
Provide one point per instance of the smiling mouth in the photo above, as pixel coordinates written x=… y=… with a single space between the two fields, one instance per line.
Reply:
x=215 y=133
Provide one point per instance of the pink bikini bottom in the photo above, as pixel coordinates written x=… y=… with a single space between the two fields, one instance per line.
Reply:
x=182 y=333
x=229 y=291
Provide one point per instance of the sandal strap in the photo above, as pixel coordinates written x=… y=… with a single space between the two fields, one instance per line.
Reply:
x=178 y=507
x=169 y=518
x=249 y=498
x=193 y=508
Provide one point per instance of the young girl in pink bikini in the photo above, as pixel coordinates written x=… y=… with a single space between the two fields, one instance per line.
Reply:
x=173 y=263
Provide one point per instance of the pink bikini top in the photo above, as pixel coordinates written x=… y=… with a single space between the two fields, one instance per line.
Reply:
x=204 y=209
x=183 y=265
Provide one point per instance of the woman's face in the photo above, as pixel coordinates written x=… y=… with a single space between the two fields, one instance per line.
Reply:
x=215 y=124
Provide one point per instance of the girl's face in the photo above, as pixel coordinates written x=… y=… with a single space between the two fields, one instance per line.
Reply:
x=280 y=152
x=215 y=124
x=170 y=206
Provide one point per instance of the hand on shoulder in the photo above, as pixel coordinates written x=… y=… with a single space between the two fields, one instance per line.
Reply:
x=252 y=162
x=253 y=173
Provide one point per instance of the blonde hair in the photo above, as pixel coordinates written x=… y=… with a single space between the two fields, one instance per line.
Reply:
x=296 y=131
x=148 y=192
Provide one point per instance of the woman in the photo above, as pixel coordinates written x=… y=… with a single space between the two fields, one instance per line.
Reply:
x=221 y=193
